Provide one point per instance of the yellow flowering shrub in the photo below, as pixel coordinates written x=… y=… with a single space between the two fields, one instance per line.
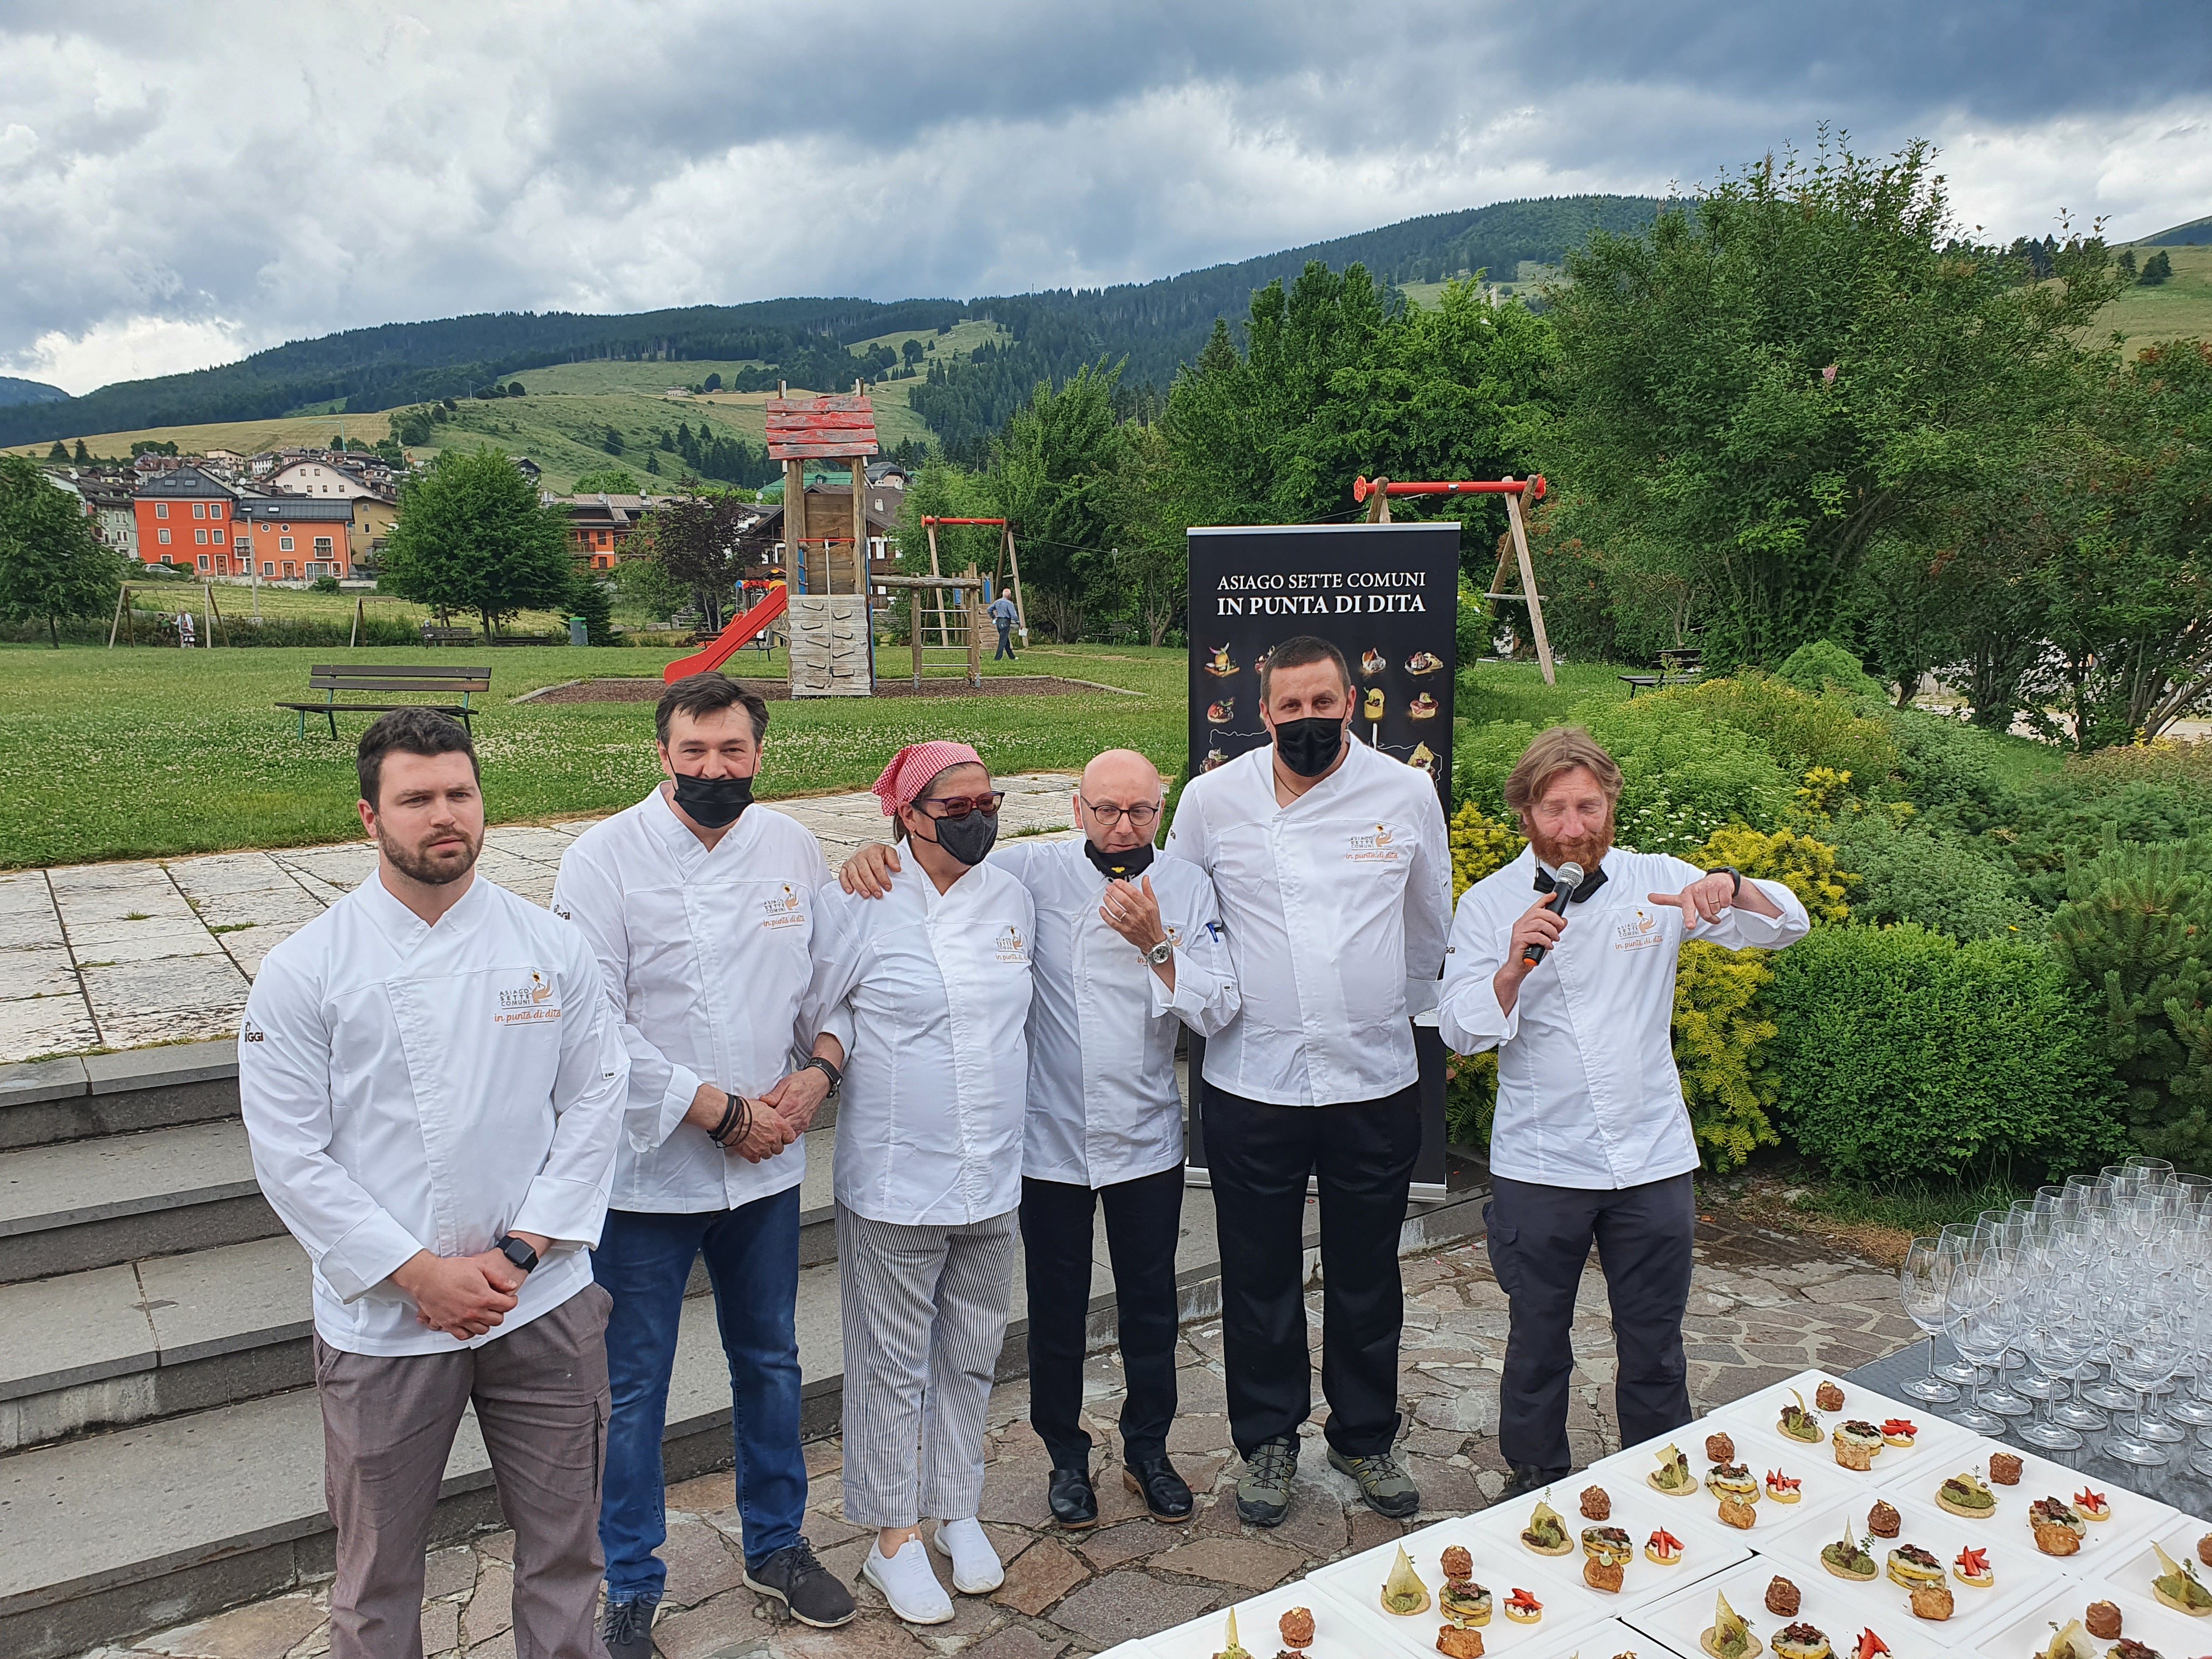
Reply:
x=1719 y=1036
x=1479 y=845
x=1806 y=866
x=1825 y=789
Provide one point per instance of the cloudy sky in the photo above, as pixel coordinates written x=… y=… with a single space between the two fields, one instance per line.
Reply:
x=181 y=185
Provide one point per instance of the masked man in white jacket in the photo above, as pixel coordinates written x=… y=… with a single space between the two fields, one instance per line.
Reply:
x=1592 y=1141
x=1128 y=949
x=699 y=905
x=432 y=1087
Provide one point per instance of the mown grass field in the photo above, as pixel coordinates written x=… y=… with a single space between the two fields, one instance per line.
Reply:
x=2179 y=308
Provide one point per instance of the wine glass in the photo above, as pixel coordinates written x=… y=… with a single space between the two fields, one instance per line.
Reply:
x=1978 y=1319
x=2065 y=1337
x=1921 y=1282
x=2148 y=1341
x=1953 y=1244
x=1996 y=1245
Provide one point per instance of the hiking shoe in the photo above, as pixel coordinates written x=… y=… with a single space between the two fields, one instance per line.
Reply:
x=626 y=1629
x=1388 y=1489
x=1263 y=1490
x=808 y=1590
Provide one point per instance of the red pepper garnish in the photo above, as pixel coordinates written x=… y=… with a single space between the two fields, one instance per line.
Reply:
x=1870 y=1646
x=1974 y=1563
x=1663 y=1541
x=2090 y=1500
x=1528 y=1603
x=1775 y=1478
x=1899 y=1425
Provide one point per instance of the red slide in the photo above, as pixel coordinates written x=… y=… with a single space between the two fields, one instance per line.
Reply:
x=740 y=633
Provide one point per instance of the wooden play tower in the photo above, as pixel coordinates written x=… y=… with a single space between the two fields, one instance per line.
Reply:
x=826 y=566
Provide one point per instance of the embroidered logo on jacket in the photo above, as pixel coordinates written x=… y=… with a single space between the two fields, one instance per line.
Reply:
x=1378 y=848
x=1638 y=930
x=252 y=1033
x=527 y=1003
x=786 y=909
x=1011 y=946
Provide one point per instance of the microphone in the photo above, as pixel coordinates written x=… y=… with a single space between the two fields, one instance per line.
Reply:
x=1570 y=877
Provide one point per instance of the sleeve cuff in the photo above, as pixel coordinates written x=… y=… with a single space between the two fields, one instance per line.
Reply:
x=368 y=1256
x=569 y=1212
x=683 y=1089
x=1470 y=1020
x=1420 y=995
x=838 y=1023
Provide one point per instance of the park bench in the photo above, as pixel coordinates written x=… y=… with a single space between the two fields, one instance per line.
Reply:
x=332 y=678
x=434 y=634
x=1678 y=665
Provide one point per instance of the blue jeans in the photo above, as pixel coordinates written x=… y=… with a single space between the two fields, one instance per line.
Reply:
x=752 y=1259
x=1006 y=642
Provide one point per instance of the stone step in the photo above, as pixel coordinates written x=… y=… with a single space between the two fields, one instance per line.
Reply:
x=112 y=1345
x=75 y=1099
x=111 y=1535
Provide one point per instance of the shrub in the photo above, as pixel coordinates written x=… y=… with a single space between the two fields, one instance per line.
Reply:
x=1686 y=774
x=1900 y=1052
x=1479 y=845
x=2065 y=821
x=1806 y=866
x=1951 y=882
x=1485 y=754
x=1720 y=1036
x=1470 y=1099
x=1819 y=664
x=2134 y=937
x=1802 y=730
x=326 y=583
x=1945 y=766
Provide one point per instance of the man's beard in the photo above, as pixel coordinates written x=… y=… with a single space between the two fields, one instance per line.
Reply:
x=1588 y=851
x=417 y=864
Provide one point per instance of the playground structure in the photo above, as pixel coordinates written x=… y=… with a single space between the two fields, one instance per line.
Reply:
x=832 y=649
x=1007 y=577
x=1377 y=493
x=937 y=587
x=741 y=631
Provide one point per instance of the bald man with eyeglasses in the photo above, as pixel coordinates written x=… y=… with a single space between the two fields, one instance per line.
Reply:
x=1127 y=947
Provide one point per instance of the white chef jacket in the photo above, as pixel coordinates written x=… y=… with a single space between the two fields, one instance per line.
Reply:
x=929 y=993
x=1337 y=906
x=1103 y=1106
x=409 y=1087
x=707 y=955
x=1588 y=1095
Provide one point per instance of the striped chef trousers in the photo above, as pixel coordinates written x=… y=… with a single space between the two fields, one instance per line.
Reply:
x=924 y=1310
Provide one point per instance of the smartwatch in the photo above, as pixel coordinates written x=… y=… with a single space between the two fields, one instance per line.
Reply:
x=516 y=1251
x=1734 y=875
x=836 y=1078
x=1158 y=955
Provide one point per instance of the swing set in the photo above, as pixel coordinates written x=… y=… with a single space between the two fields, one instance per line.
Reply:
x=1377 y=492
x=1007 y=576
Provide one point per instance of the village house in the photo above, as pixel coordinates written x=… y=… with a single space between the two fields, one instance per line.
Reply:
x=295 y=537
x=601 y=526
x=186 y=518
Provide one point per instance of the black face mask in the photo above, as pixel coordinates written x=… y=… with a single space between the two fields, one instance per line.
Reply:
x=714 y=802
x=1309 y=747
x=969 y=839
x=1120 y=866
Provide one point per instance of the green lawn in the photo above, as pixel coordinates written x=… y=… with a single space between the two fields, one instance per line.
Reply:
x=128 y=754
x=2178 y=309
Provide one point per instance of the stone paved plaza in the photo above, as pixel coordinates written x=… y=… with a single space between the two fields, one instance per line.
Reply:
x=1765 y=1306
x=120 y=955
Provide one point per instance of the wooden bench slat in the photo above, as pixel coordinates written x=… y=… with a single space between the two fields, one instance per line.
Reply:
x=380 y=708
x=470 y=670
x=334 y=684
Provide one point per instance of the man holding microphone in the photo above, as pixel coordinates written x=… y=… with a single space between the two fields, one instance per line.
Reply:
x=1591 y=1139
x=1333 y=870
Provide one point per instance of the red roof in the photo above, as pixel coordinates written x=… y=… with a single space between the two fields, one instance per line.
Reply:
x=809 y=428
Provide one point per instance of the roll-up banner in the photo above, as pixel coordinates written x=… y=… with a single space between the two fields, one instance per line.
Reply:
x=1386 y=595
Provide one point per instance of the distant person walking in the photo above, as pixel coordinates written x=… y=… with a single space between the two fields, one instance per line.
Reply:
x=1002 y=612
x=433 y=1086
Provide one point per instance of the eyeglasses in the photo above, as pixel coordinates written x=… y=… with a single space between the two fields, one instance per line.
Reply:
x=1141 y=817
x=960 y=806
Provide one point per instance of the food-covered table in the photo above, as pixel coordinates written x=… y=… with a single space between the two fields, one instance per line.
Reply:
x=1819 y=1517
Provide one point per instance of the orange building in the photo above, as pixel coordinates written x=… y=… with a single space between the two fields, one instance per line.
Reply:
x=295 y=537
x=188 y=519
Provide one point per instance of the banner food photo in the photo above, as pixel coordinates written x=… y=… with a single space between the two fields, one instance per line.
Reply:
x=1386 y=595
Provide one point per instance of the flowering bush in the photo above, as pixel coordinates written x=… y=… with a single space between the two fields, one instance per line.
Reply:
x=1721 y=1035
x=1806 y=866
x=1479 y=845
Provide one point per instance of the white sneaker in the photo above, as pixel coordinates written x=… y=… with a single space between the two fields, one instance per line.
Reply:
x=976 y=1569
x=907 y=1584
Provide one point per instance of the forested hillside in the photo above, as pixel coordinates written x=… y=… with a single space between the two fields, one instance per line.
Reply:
x=1156 y=325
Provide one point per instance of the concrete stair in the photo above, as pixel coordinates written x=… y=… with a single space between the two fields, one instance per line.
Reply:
x=160 y=1454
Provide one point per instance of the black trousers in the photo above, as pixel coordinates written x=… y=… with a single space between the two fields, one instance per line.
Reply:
x=1540 y=1237
x=1259 y=1158
x=1144 y=1218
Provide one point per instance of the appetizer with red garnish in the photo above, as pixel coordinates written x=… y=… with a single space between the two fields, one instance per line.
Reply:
x=1523 y=1608
x=1782 y=1488
x=1870 y=1646
x=2091 y=1506
x=1972 y=1568
x=1899 y=1431
x=1662 y=1548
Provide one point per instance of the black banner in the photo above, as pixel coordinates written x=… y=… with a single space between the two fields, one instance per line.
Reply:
x=1386 y=595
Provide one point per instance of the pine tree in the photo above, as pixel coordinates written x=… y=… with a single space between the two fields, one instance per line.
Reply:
x=59 y=453
x=591 y=598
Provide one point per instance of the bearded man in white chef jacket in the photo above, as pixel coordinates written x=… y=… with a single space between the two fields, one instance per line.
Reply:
x=1128 y=949
x=1333 y=870
x=699 y=905
x=432 y=1087
x=1591 y=1141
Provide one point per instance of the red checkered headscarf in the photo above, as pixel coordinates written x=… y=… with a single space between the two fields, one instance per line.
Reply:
x=913 y=766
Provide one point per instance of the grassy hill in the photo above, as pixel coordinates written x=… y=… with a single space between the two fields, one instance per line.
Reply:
x=2195 y=233
x=2178 y=309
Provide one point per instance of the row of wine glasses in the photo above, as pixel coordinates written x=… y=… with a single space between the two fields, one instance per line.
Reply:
x=2100 y=1293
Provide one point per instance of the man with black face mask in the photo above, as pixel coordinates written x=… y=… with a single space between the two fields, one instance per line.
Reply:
x=701 y=908
x=1333 y=870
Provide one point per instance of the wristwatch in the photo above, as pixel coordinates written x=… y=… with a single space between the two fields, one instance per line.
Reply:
x=517 y=1252
x=1158 y=955
x=1735 y=875
x=836 y=1078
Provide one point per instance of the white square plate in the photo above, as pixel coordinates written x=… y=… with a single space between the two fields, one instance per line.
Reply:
x=2134 y=1574
x=1610 y=1640
x=1823 y=1485
x=1356 y=1582
x=1840 y=1611
x=2141 y=1619
x=1755 y=1420
x=2134 y=1516
x=1340 y=1632
x=1707 y=1545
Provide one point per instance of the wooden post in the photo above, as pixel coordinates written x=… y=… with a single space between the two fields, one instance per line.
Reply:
x=359 y=606
x=794 y=525
x=937 y=594
x=975 y=627
x=217 y=615
x=115 y=627
x=1378 y=503
x=859 y=523
x=914 y=619
x=1529 y=587
x=1014 y=570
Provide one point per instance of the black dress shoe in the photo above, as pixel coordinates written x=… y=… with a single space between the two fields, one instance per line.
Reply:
x=1525 y=1480
x=1074 y=1505
x=1166 y=1498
